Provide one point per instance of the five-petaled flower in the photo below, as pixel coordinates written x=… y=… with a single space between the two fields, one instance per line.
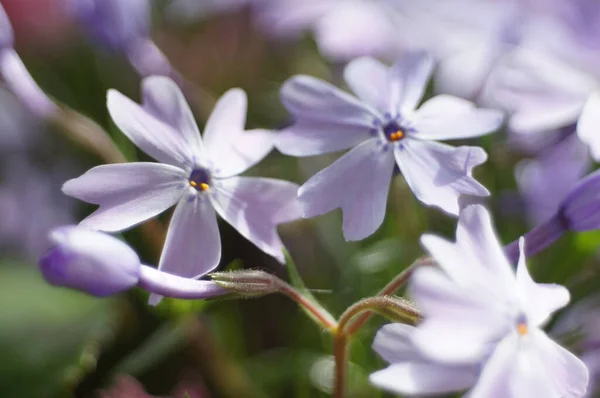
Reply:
x=382 y=126
x=478 y=311
x=199 y=175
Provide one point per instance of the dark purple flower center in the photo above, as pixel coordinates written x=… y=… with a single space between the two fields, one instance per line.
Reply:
x=199 y=180
x=393 y=132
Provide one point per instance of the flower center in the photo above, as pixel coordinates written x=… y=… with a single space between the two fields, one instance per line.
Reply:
x=522 y=327
x=199 y=180
x=393 y=132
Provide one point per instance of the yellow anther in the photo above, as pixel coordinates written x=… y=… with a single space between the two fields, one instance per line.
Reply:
x=397 y=135
x=522 y=329
x=193 y=183
x=204 y=186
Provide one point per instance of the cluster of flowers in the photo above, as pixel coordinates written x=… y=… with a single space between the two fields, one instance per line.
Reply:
x=482 y=327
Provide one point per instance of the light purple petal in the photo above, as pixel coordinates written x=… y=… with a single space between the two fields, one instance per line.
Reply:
x=393 y=343
x=358 y=183
x=475 y=233
x=461 y=324
x=423 y=378
x=151 y=135
x=231 y=149
x=588 y=126
x=541 y=300
x=438 y=174
x=315 y=137
x=254 y=207
x=369 y=80
x=567 y=372
x=514 y=371
x=445 y=118
x=410 y=372
x=408 y=81
x=193 y=244
x=164 y=100
x=128 y=194
x=307 y=97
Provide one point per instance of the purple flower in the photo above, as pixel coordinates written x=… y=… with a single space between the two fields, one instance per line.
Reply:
x=343 y=29
x=16 y=76
x=412 y=373
x=546 y=180
x=124 y=26
x=90 y=261
x=199 y=177
x=98 y=264
x=6 y=31
x=476 y=309
x=384 y=128
x=115 y=23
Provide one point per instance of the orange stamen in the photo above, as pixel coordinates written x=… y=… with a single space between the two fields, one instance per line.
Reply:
x=522 y=329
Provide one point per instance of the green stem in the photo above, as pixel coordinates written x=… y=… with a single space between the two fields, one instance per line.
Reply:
x=389 y=289
x=340 y=354
x=403 y=309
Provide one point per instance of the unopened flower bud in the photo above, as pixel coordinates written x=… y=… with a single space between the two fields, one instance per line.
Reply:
x=90 y=261
x=248 y=282
x=581 y=208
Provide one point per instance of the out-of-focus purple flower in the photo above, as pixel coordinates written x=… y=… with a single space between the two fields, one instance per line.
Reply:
x=101 y=265
x=27 y=193
x=115 y=23
x=124 y=26
x=343 y=29
x=579 y=211
x=476 y=309
x=6 y=31
x=412 y=373
x=16 y=76
x=547 y=179
x=200 y=177
x=383 y=127
x=90 y=261
x=527 y=86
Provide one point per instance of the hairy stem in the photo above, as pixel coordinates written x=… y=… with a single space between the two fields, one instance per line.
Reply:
x=389 y=289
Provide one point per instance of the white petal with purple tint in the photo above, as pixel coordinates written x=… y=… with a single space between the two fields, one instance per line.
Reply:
x=541 y=299
x=193 y=244
x=358 y=183
x=153 y=136
x=409 y=371
x=438 y=174
x=128 y=194
x=307 y=97
x=310 y=137
x=369 y=80
x=408 y=82
x=165 y=101
x=446 y=118
x=254 y=207
x=232 y=149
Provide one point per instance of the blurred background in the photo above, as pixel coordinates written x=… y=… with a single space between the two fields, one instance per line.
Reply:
x=537 y=60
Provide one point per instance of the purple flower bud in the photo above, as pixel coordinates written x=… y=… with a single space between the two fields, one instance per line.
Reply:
x=6 y=30
x=581 y=207
x=90 y=261
x=113 y=23
x=579 y=212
